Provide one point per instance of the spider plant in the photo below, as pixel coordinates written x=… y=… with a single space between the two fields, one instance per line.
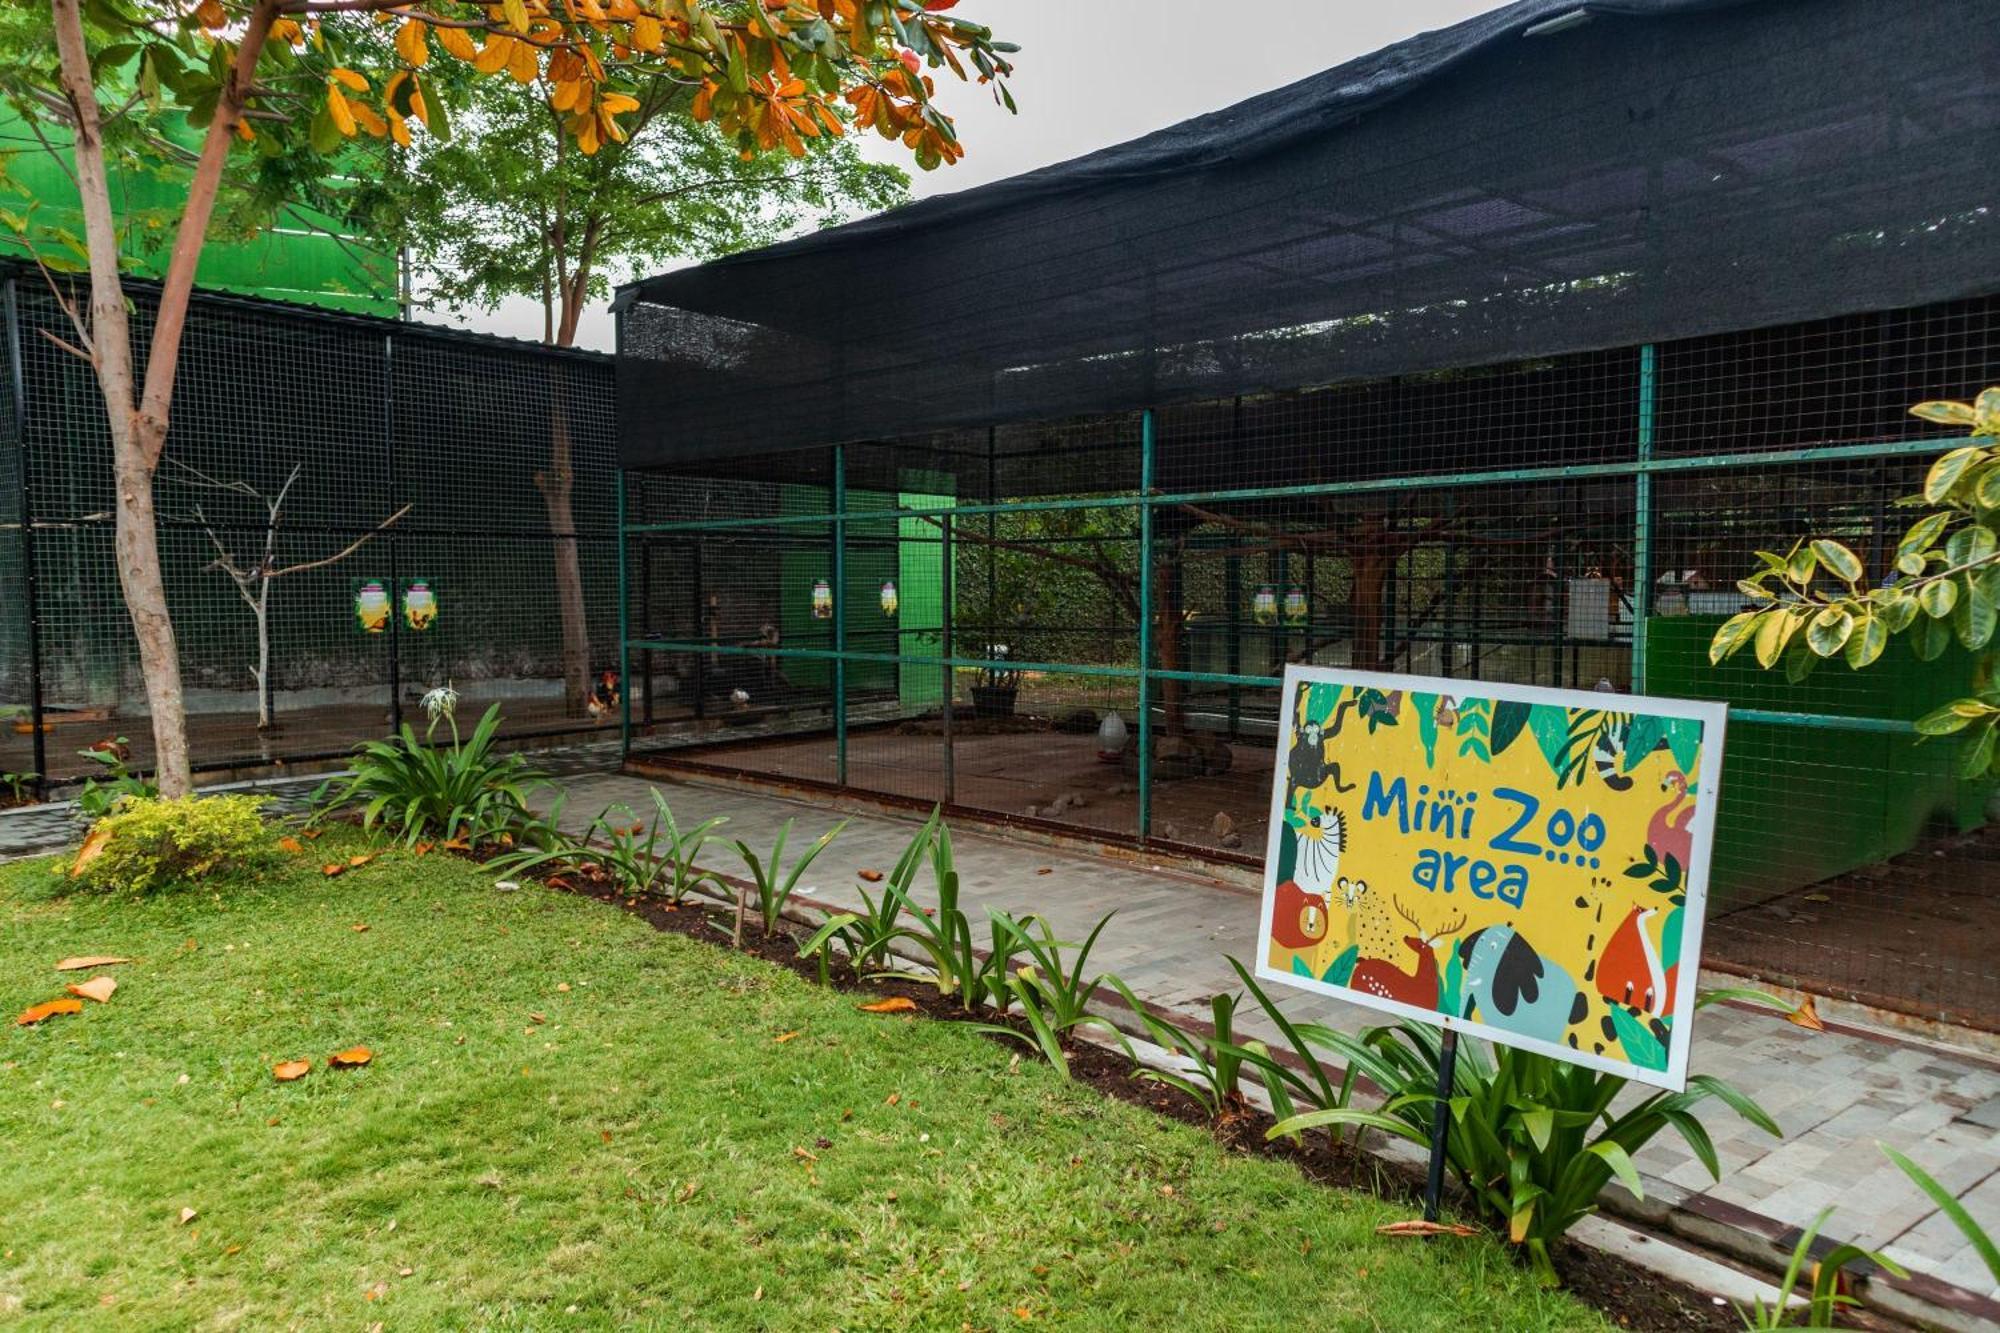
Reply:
x=774 y=884
x=418 y=791
x=1534 y=1140
x=1211 y=1067
x=638 y=859
x=866 y=936
x=1825 y=1295
x=944 y=933
x=1053 y=994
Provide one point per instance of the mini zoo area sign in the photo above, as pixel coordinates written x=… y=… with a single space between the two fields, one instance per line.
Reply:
x=1525 y=865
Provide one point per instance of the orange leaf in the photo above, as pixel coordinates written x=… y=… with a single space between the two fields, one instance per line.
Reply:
x=895 y=1004
x=360 y=926
x=784 y=1037
x=1807 y=1016
x=361 y=860
x=314 y=832
x=351 y=1058
x=332 y=869
x=48 y=1009
x=97 y=988
x=93 y=847
x=1419 y=1227
x=872 y=876
x=290 y=844
x=188 y=1215
x=94 y=960
x=288 y=1070
x=422 y=849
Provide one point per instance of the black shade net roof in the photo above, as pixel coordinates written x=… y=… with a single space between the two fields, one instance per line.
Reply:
x=1545 y=178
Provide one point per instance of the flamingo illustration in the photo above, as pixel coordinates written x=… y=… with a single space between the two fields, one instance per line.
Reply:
x=1671 y=832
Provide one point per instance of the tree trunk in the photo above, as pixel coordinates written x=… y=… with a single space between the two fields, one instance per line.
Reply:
x=138 y=549
x=263 y=672
x=557 y=485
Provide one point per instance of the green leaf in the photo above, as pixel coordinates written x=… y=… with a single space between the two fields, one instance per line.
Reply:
x=1944 y=413
x=1621 y=1166
x=1842 y=563
x=1863 y=648
x=1943 y=721
x=1799 y=569
x=1973 y=620
x=1899 y=611
x=1969 y=545
x=1938 y=597
x=1950 y=1207
x=1773 y=634
x=1734 y=633
x=1540 y=1122
x=1910 y=564
x=1986 y=491
x=1829 y=631
x=1931 y=639
x=1923 y=534
x=1978 y=756
x=1945 y=473
x=1986 y=412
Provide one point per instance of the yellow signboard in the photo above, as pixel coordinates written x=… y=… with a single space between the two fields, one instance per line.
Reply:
x=1526 y=865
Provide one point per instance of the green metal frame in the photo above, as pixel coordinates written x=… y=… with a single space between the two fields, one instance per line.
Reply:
x=1146 y=674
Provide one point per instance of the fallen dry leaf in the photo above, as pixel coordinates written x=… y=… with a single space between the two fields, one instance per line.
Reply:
x=361 y=858
x=1807 y=1016
x=1046 y=870
x=360 y=926
x=313 y=833
x=803 y=1155
x=97 y=988
x=895 y=1004
x=290 y=844
x=422 y=849
x=606 y=1133
x=538 y=1018
x=47 y=1009
x=332 y=868
x=94 y=960
x=892 y=1099
x=872 y=876
x=287 y=1070
x=350 y=1058
x=93 y=847
x=188 y=1215
x=784 y=1037
x=1419 y=1227
x=563 y=986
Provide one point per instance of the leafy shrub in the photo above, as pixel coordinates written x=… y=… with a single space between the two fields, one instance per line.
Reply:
x=418 y=791
x=945 y=933
x=1053 y=994
x=150 y=843
x=1534 y=1140
x=1211 y=1069
x=112 y=783
x=867 y=936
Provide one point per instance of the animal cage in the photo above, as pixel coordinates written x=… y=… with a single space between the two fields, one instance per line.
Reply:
x=1494 y=357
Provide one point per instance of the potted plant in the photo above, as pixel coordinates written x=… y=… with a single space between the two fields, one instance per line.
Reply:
x=998 y=686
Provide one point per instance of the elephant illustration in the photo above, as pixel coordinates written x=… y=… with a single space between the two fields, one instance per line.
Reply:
x=1515 y=988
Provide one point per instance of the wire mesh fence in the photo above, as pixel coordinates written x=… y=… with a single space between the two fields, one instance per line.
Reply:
x=1078 y=624
x=351 y=512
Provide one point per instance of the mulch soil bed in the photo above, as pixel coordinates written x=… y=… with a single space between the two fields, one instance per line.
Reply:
x=1631 y=1296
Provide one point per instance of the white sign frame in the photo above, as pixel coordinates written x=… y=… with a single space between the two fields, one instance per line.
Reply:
x=1713 y=716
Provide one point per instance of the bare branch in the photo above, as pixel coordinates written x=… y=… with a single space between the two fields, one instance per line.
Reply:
x=357 y=544
x=69 y=347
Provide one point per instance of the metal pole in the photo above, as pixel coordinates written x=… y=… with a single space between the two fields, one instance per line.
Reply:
x=624 y=628
x=30 y=604
x=645 y=625
x=950 y=686
x=1642 y=537
x=840 y=613
x=1145 y=624
x=1441 y=1124
x=395 y=590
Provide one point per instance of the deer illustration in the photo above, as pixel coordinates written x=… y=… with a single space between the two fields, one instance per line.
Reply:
x=1671 y=832
x=1380 y=976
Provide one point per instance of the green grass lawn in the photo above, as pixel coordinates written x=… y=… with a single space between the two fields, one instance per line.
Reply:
x=645 y=1153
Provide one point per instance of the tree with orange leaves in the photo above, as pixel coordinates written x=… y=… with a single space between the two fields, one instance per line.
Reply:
x=277 y=78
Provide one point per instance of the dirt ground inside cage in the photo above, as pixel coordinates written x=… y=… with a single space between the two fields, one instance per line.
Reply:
x=301 y=735
x=1914 y=934
x=1024 y=771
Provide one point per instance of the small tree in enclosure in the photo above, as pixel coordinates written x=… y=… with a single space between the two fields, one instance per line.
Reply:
x=511 y=206
x=279 y=83
x=1818 y=600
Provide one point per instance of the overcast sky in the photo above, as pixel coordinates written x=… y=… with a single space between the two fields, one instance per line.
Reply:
x=1096 y=72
